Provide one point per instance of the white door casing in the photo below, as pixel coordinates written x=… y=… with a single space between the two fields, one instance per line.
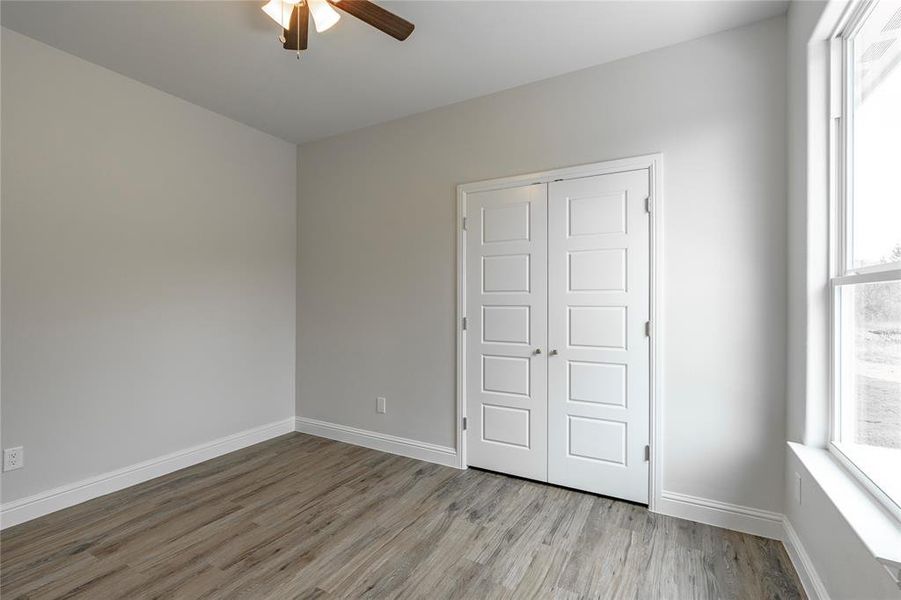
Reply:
x=599 y=359
x=506 y=350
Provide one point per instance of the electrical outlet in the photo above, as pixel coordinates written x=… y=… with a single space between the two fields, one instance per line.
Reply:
x=380 y=405
x=13 y=458
x=798 y=488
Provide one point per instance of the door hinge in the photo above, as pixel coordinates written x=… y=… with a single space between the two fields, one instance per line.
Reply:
x=647 y=454
x=647 y=328
x=648 y=205
x=464 y=323
x=464 y=223
x=464 y=423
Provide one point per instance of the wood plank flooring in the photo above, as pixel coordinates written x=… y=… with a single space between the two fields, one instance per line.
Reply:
x=303 y=517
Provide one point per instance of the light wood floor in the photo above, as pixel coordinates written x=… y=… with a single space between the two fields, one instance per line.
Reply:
x=302 y=517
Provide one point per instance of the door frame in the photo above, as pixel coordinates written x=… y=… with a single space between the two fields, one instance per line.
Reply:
x=654 y=164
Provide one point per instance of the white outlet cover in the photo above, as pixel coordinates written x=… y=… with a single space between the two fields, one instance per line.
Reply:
x=13 y=458
x=380 y=405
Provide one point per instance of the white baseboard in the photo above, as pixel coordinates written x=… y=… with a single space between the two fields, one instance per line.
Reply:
x=807 y=573
x=442 y=455
x=721 y=514
x=25 y=509
x=755 y=521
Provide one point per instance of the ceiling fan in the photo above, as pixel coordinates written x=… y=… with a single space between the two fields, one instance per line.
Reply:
x=294 y=17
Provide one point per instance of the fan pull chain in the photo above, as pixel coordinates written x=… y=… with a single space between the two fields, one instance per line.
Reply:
x=297 y=11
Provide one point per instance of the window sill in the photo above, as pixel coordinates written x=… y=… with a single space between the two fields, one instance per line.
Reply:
x=877 y=469
x=879 y=531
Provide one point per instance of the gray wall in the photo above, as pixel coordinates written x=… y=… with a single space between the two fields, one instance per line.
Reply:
x=148 y=271
x=376 y=250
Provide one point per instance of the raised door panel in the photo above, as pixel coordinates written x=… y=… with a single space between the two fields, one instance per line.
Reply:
x=597 y=271
x=506 y=324
x=597 y=383
x=506 y=274
x=596 y=326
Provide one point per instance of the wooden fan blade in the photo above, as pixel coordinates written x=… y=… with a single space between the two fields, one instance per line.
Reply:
x=300 y=22
x=378 y=17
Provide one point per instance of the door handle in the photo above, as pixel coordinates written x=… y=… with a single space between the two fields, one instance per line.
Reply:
x=537 y=351
x=553 y=353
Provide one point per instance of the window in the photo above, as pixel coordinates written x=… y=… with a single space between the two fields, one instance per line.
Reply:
x=866 y=248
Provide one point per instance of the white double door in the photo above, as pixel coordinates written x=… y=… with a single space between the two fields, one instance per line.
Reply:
x=557 y=355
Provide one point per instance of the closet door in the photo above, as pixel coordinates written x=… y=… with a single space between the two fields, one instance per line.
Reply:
x=598 y=304
x=506 y=311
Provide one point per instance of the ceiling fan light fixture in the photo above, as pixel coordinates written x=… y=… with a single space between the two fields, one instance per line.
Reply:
x=324 y=16
x=294 y=18
x=280 y=12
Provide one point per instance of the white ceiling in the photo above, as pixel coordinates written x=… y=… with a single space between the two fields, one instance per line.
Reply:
x=225 y=56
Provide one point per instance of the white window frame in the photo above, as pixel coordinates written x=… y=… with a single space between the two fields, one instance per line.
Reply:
x=841 y=271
